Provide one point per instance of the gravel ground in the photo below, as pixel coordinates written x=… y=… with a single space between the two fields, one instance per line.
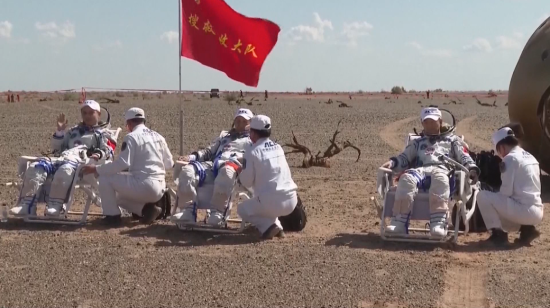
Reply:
x=337 y=261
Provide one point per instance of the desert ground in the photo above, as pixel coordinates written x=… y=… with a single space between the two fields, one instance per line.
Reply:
x=338 y=260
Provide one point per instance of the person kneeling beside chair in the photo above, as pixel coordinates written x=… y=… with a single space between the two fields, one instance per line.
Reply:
x=146 y=155
x=518 y=202
x=266 y=173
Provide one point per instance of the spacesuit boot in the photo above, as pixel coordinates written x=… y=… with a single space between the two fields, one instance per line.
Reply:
x=216 y=218
x=187 y=214
x=27 y=206
x=34 y=178
x=55 y=208
x=398 y=224
x=438 y=225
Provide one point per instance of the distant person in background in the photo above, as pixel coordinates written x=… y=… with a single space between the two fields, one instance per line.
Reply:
x=17 y=97
x=265 y=95
x=12 y=99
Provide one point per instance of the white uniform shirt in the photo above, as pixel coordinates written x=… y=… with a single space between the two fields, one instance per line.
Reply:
x=266 y=170
x=520 y=175
x=144 y=153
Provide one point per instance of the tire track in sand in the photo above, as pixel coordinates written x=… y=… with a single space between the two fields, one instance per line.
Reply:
x=464 y=127
x=390 y=133
x=465 y=288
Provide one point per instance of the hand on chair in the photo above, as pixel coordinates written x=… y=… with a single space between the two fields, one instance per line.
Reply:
x=388 y=164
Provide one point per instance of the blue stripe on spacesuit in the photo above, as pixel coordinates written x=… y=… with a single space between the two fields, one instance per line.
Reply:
x=200 y=171
x=47 y=165
x=215 y=168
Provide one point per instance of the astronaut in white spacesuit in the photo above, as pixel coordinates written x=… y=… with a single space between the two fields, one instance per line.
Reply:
x=422 y=168
x=517 y=204
x=217 y=162
x=84 y=139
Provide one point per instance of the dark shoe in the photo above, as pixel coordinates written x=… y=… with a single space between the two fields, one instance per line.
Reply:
x=498 y=237
x=271 y=232
x=111 y=220
x=149 y=213
x=527 y=234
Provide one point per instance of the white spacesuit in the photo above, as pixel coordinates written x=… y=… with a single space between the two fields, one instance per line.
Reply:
x=423 y=169
x=216 y=162
x=266 y=172
x=518 y=202
x=73 y=147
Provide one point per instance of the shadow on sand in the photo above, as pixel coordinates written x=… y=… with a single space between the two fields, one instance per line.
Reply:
x=373 y=241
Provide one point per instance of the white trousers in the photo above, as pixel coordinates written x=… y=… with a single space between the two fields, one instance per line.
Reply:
x=128 y=192
x=262 y=212
x=501 y=212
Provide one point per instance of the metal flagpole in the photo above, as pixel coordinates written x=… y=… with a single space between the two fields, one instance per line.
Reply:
x=179 y=92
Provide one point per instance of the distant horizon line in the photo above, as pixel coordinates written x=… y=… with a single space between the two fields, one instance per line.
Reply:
x=94 y=89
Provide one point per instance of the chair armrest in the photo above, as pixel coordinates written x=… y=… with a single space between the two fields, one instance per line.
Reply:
x=383 y=181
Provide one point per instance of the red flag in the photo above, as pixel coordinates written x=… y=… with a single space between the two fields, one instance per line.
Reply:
x=217 y=36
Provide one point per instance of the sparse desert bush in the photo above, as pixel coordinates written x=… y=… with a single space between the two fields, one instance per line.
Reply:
x=70 y=96
x=119 y=94
x=412 y=91
x=135 y=94
x=398 y=90
x=229 y=97
x=438 y=90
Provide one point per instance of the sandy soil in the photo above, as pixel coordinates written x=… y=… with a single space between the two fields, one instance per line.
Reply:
x=337 y=261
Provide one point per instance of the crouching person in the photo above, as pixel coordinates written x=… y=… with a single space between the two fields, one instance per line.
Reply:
x=71 y=146
x=146 y=156
x=266 y=173
x=518 y=203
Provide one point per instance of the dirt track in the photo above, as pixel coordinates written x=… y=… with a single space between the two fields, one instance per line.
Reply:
x=337 y=261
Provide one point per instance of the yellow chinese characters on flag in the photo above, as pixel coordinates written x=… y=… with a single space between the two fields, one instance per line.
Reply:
x=217 y=36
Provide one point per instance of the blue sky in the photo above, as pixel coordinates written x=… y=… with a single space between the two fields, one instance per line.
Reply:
x=324 y=44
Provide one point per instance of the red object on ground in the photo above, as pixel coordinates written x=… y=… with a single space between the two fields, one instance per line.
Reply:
x=217 y=36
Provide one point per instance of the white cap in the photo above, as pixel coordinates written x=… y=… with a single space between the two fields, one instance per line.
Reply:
x=134 y=113
x=430 y=113
x=245 y=113
x=501 y=134
x=92 y=104
x=260 y=122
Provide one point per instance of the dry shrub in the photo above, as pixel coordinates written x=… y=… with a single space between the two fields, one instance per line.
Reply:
x=229 y=97
x=398 y=90
x=70 y=96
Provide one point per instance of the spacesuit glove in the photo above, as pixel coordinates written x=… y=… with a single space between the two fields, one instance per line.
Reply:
x=388 y=164
x=474 y=176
